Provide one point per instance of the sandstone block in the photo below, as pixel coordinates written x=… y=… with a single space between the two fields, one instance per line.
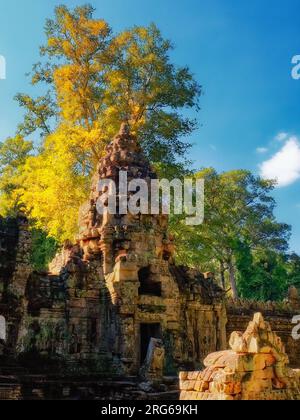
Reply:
x=267 y=373
x=183 y=376
x=193 y=375
x=255 y=369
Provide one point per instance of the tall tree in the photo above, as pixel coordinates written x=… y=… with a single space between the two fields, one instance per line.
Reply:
x=94 y=80
x=238 y=209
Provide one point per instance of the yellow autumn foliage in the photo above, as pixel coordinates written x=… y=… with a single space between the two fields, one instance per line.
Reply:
x=53 y=183
x=97 y=80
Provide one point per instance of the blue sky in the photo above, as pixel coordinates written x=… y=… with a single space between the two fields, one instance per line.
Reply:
x=240 y=52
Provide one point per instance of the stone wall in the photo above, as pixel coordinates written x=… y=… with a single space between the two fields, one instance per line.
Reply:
x=77 y=317
x=279 y=315
x=15 y=269
x=9 y=233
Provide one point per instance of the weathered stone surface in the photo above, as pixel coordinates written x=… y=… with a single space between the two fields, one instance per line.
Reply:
x=278 y=314
x=106 y=296
x=255 y=368
x=153 y=366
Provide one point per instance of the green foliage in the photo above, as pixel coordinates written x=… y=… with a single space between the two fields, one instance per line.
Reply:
x=261 y=275
x=39 y=112
x=43 y=336
x=13 y=153
x=239 y=209
x=43 y=251
x=293 y=270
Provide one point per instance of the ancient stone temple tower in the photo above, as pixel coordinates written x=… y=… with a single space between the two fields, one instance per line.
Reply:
x=126 y=241
x=117 y=288
x=148 y=295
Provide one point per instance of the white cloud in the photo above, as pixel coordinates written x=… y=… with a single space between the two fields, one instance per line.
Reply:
x=213 y=147
x=284 y=166
x=281 y=136
x=262 y=150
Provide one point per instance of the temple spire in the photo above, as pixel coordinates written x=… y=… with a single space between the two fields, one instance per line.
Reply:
x=124 y=129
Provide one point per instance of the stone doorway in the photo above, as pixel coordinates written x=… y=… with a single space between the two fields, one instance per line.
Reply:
x=148 y=331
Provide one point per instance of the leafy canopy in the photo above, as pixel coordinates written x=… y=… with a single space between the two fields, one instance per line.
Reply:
x=239 y=209
x=94 y=80
x=13 y=154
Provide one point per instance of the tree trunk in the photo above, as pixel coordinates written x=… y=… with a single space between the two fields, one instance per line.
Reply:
x=222 y=271
x=232 y=280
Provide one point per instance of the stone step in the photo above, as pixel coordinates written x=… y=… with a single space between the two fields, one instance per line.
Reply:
x=42 y=387
x=164 y=396
x=12 y=370
x=10 y=391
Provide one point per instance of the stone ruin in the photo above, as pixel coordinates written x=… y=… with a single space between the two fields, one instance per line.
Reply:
x=110 y=295
x=256 y=368
x=279 y=314
x=153 y=366
x=114 y=307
